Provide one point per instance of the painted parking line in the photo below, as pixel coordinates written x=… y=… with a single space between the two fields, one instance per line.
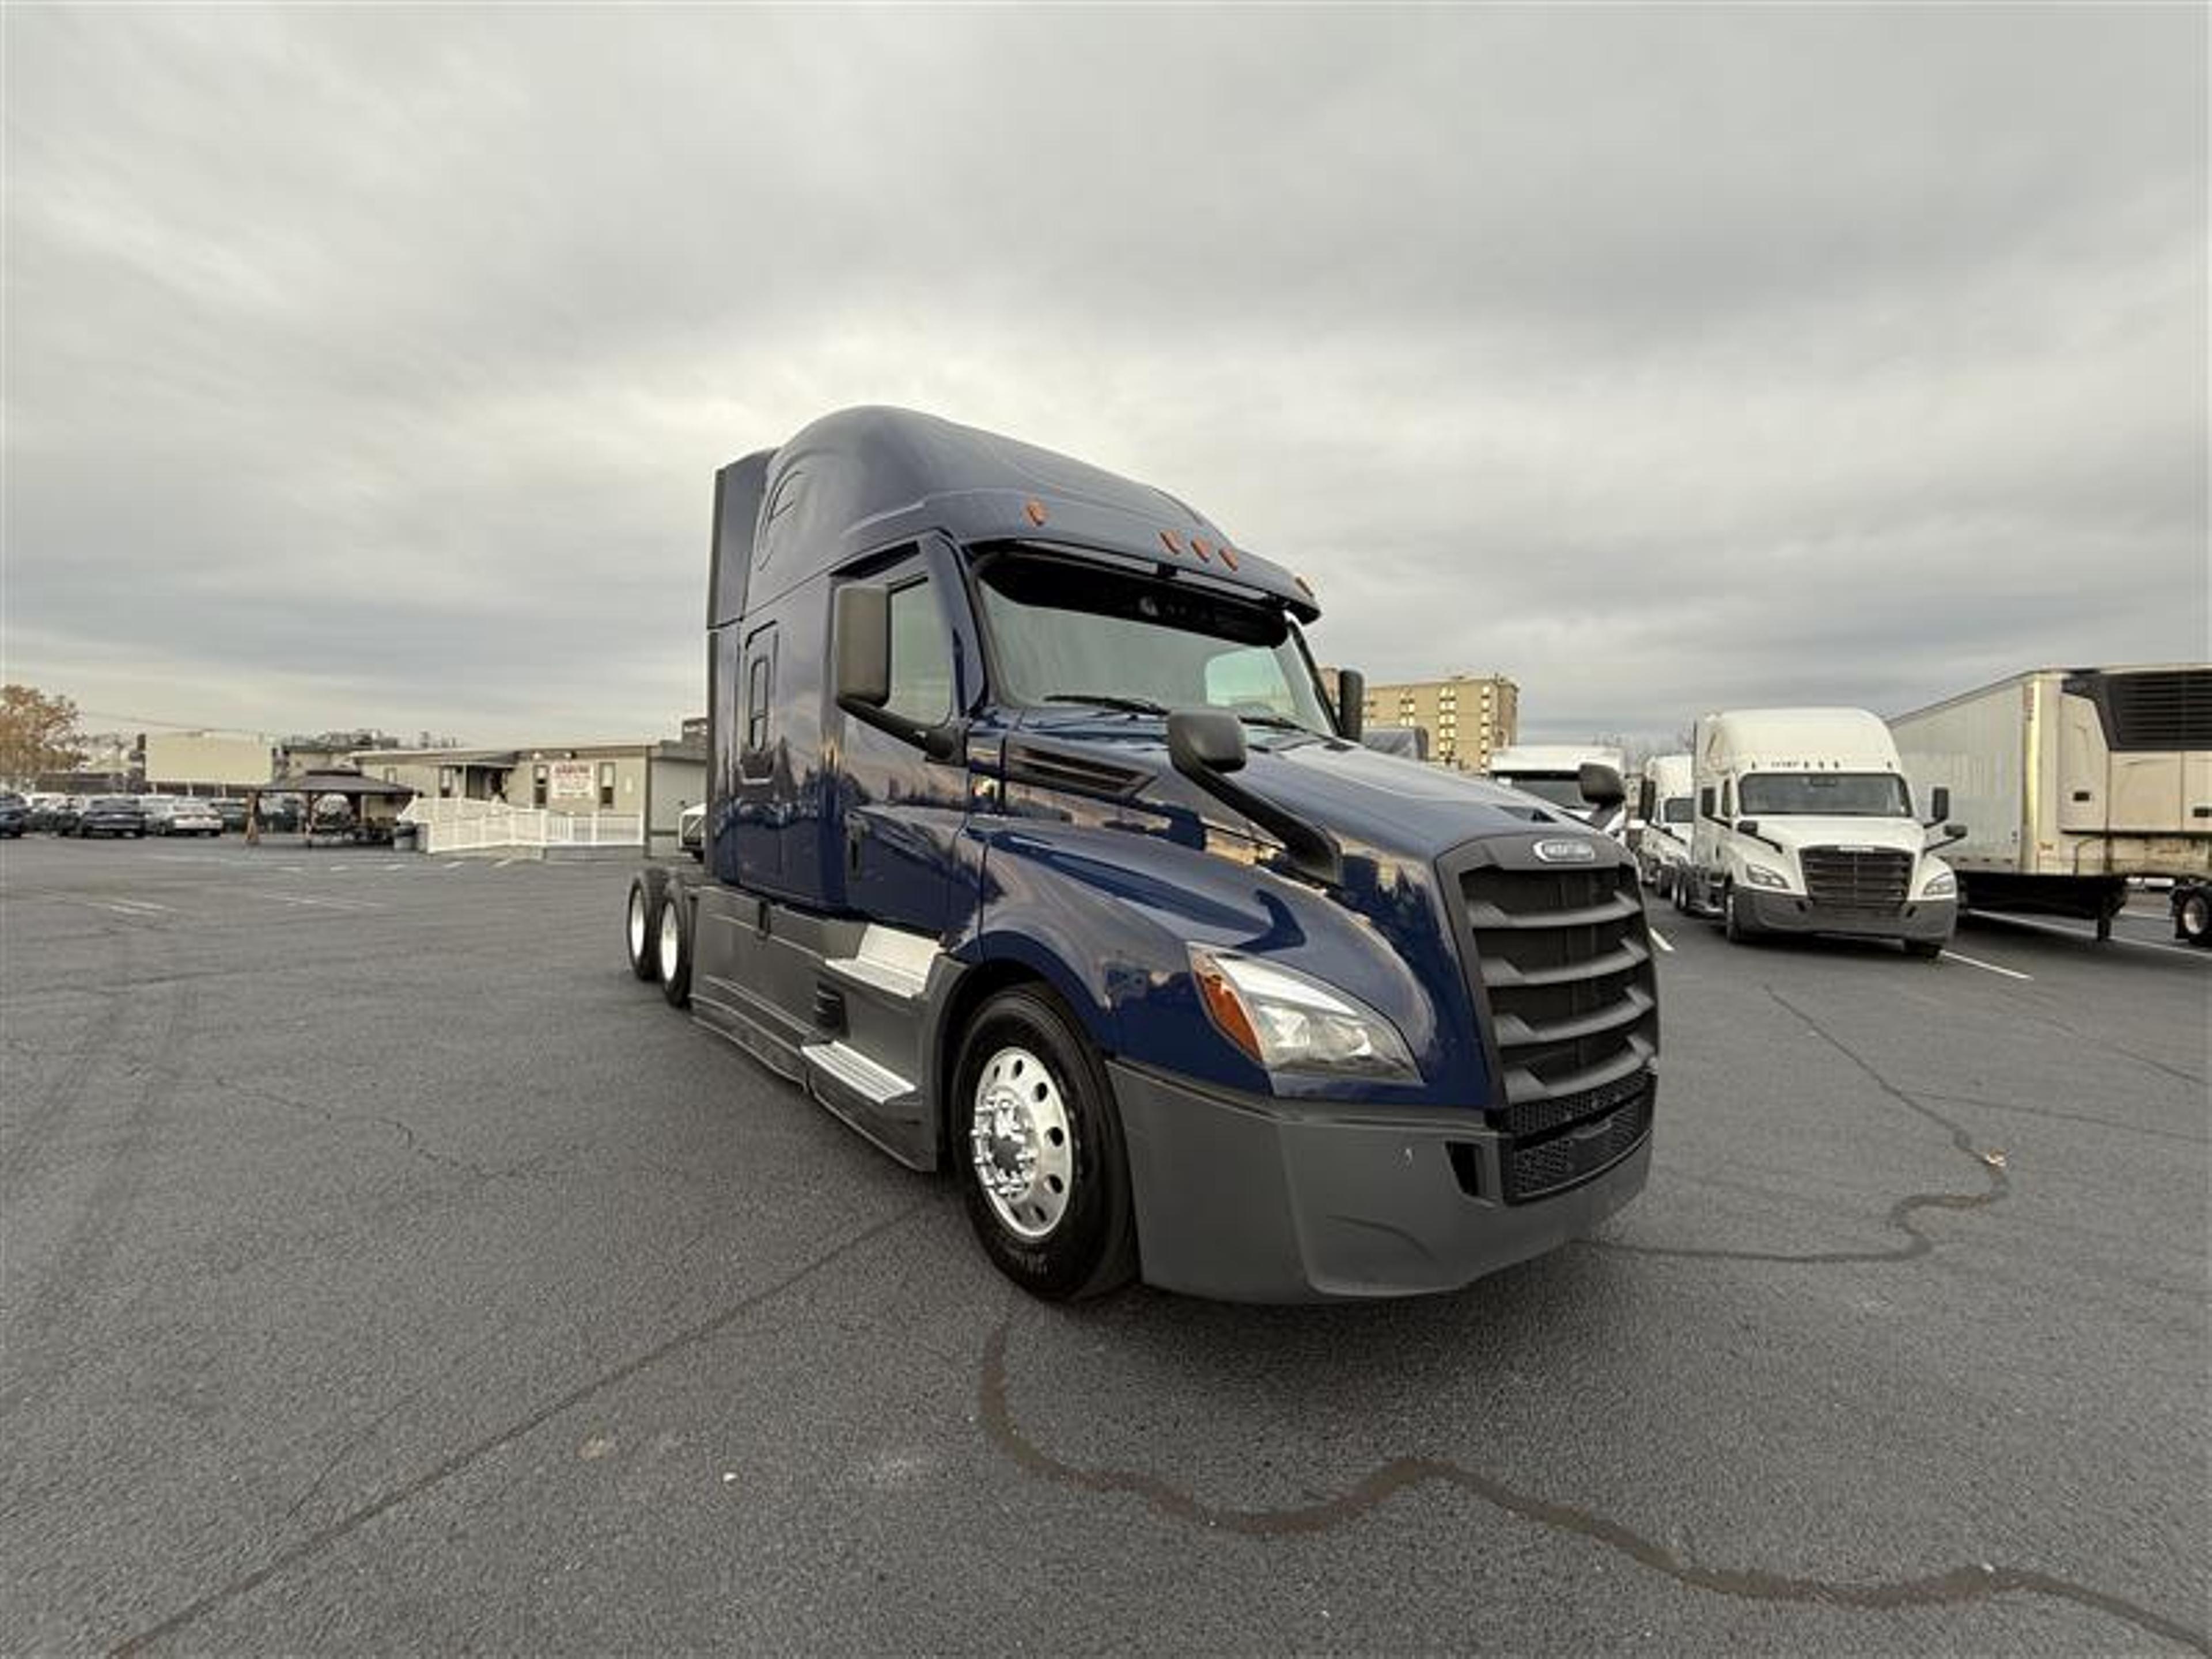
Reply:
x=1986 y=966
x=1660 y=939
x=457 y=864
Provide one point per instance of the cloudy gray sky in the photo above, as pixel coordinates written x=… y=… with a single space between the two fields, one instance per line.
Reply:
x=371 y=367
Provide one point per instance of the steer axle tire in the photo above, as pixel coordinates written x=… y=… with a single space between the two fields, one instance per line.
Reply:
x=1037 y=1147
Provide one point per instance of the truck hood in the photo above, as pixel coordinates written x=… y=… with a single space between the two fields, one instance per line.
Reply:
x=1366 y=799
x=1889 y=835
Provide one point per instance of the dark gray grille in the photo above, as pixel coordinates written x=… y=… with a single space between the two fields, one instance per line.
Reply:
x=1565 y=963
x=1868 y=882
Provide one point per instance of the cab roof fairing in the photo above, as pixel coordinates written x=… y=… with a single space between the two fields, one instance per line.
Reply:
x=866 y=478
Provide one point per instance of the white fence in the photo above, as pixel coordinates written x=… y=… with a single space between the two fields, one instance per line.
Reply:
x=476 y=826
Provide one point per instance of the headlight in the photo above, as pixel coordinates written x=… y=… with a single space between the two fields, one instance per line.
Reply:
x=1759 y=876
x=1943 y=886
x=1289 y=1022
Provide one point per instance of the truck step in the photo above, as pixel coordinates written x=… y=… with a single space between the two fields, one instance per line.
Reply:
x=894 y=963
x=876 y=1084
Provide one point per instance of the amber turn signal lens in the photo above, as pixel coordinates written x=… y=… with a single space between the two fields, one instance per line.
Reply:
x=1226 y=1008
x=1035 y=510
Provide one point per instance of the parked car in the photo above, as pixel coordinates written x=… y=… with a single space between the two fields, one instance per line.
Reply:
x=14 y=815
x=61 y=814
x=176 y=815
x=111 y=815
x=278 y=813
x=230 y=814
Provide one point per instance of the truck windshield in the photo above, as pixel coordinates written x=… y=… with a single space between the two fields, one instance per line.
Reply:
x=1560 y=788
x=1825 y=794
x=1061 y=630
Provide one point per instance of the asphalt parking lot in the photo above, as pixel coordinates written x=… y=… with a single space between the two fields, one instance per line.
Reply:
x=383 y=1268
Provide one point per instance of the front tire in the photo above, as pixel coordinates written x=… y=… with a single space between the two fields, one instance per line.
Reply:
x=1739 y=931
x=1926 y=950
x=1039 y=1148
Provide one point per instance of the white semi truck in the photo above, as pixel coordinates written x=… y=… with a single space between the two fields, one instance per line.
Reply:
x=2071 y=782
x=1664 y=800
x=1804 y=824
x=1553 y=773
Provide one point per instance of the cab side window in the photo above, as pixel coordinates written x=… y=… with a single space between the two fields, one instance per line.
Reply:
x=1706 y=802
x=921 y=656
x=760 y=700
x=1727 y=798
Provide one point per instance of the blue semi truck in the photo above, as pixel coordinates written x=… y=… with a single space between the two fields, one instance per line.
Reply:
x=1036 y=853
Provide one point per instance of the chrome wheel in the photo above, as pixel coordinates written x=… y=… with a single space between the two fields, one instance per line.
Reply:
x=671 y=940
x=1023 y=1148
x=637 y=924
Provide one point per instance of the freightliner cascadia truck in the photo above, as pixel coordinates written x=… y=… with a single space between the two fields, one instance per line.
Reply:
x=1803 y=824
x=2071 y=781
x=1035 y=853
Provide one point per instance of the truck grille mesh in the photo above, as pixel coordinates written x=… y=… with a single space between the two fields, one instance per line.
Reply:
x=1856 y=882
x=1534 y=1168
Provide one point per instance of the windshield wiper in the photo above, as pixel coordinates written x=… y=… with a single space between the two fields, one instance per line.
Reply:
x=1107 y=700
x=1278 y=722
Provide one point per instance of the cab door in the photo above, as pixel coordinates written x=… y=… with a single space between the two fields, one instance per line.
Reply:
x=902 y=811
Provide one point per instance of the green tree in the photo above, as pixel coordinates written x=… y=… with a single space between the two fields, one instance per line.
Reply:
x=38 y=734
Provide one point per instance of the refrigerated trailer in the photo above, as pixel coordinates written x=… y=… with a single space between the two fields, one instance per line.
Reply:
x=1036 y=853
x=2070 y=782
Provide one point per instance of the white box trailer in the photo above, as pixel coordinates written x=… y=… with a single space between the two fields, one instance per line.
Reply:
x=2069 y=781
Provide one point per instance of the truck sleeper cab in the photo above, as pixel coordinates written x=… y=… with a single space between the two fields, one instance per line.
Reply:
x=1553 y=772
x=1035 y=852
x=1665 y=804
x=1803 y=824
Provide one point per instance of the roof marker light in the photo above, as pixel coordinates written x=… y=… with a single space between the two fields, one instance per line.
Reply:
x=1199 y=547
x=1168 y=540
x=1035 y=509
x=1229 y=555
x=1304 y=587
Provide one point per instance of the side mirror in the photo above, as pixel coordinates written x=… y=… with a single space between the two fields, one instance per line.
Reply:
x=1600 y=784
x=1939 y=803
x=1350 y=703
x=862 y=646
x=1955 y=831
x=1747 y=826
x=1203 y=740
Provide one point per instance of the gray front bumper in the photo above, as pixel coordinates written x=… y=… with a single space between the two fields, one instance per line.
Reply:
x=1254 y=1199
x=1790 y=913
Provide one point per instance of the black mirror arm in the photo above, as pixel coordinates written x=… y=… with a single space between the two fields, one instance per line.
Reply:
x=1953 y=834
x=941 y=741
x=1313 y=852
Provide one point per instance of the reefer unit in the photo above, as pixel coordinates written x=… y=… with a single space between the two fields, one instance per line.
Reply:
x=2070 y=780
